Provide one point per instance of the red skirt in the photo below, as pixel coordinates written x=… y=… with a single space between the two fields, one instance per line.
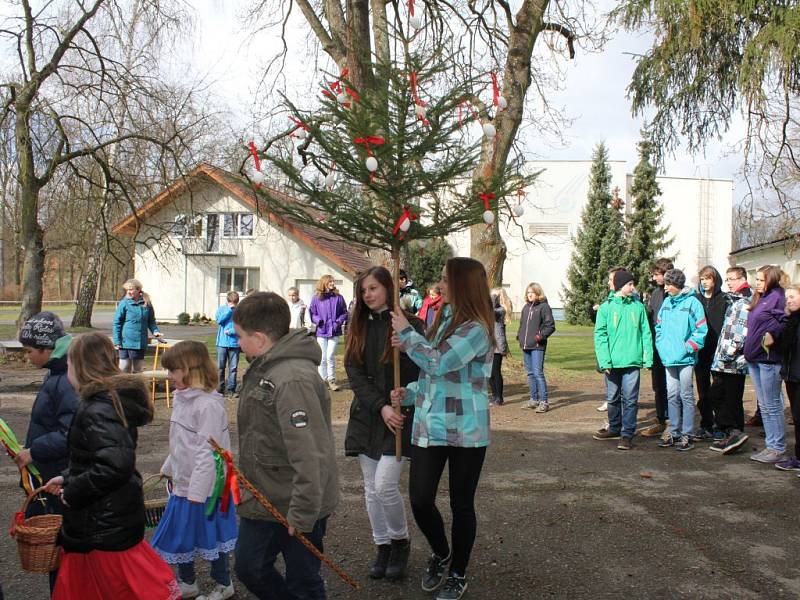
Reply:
x=134 y=574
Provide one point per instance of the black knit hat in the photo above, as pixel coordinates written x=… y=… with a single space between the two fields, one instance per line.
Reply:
x=41 y=331
x=621 y=277
x=675 y=277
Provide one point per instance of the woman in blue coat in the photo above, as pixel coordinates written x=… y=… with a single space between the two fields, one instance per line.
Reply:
x=132 y=321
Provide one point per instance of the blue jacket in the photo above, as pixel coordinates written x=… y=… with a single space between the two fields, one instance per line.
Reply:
x=131 y=322
x=226 y=335
x=681 y=329
x=51 y=415
x=451 y=398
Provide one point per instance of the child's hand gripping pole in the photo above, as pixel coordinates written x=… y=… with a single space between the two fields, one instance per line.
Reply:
x=262 y=500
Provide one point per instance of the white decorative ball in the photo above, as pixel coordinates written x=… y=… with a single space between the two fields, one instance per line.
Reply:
x=502 y=103
x=420 y=111
x=330 y=179
x=405 y=225
x=301 y=133
x=422 y=244
x=489 y=131
x=342 y=98
x=372 y=164
x=518 y=210
x=257 y=177
x=415 y=22
x=488 y=217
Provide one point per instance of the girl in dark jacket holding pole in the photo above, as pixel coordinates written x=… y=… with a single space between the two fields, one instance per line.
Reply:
x=535 y=326
x=373 y=422
x=105 y=555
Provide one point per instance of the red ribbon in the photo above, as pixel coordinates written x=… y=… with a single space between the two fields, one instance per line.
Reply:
x=19 y=519
x=299 y=123
x=486 y=198
x=495 y=90
x=254 y=152
x=336 y=87
x=407 y=215
x=231 y=487
x=465 y=102
x=369 y=141
x=410 y=4
x=416 y=98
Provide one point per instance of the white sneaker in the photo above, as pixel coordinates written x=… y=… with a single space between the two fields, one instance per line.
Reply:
x=603 y=407
x=188 y=590
x=332 y=385
x=220 y=592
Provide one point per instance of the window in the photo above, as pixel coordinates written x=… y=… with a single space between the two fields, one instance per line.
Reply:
x=239 y=279
x=188 y=226
x=212 y=233
x=237 y=224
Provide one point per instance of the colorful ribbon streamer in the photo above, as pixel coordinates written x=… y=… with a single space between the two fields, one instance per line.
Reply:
x=486 y=197
x=369 y=141
x=12 y=448
x=495 y=90
x=407 y=215
x=416 y=98
x=219 y=483
x=254 y=152
x=299 y=123
x=231 y=488
x=410 y=4
x=465 y=103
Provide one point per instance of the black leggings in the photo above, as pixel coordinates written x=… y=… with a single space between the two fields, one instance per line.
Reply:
x=496 y=380
x=464 y=467
x=793 y=391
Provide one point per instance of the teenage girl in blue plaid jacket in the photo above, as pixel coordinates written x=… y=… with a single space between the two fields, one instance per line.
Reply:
x=451 y=420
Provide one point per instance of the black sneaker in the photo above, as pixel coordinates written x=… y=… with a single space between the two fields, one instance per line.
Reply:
x=666 y=442
x=718 y=445
x=453 y=589
x=734 y=442
x=701 y=435
x=436 y=572
x=685 y=444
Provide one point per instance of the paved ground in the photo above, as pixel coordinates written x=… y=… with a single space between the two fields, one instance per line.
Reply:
x=560 y=515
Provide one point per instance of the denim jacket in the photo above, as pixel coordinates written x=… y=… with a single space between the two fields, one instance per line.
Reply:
x=451 y=399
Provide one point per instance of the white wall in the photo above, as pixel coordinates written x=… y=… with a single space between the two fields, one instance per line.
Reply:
x=190 y=283
x=781 y=254
x=554 y=204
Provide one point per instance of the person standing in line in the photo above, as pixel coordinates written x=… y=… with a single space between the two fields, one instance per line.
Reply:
x=623 y=346
x=297 y=308
x=328 y=312
x=715 y=304
x=132 y=320
x=729 y=367
x=503 y=311
x=227 y=344
x=373 y=423
x=680 y=334
x=410 y=300
x=658 y=375
x=536 y=325
x=451 y=421
x=790 y=370
x=765 y=323
x=430 y=306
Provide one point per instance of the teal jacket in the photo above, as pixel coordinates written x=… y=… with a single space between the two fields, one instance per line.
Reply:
x=622 y=335
x=451 y=394
x=680 y=329
x=131 y=322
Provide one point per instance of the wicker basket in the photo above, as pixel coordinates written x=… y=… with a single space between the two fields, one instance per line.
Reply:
x=155 y=505
x=36 y=539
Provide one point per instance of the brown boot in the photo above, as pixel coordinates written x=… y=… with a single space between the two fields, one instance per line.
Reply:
x=654 y=430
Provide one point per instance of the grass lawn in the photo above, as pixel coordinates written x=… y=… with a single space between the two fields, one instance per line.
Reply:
x=65 y=309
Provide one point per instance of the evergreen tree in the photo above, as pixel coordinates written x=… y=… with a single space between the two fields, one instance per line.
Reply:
x=424 y=265
x=646 y=237
x=598 y=245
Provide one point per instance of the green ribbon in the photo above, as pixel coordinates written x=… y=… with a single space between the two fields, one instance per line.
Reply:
x=9 y=440
x=219 y=484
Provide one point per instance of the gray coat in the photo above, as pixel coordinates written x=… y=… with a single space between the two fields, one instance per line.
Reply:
x=501 y=343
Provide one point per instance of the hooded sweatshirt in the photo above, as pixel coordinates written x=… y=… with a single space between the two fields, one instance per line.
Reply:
x=680 y=329
x=715 y=308
x=729 y=355
x=285 y=437
x=622 y=335
x=51 y=415
x=768 y=316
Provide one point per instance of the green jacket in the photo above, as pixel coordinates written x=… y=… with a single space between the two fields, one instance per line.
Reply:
x=622 y=335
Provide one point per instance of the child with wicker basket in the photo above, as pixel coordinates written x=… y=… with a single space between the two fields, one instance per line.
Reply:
x=194 y=522
x=102 y=534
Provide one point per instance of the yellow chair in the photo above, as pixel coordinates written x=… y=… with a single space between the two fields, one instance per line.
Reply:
x=158 y=374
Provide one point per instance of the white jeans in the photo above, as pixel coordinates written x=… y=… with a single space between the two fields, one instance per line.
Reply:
x=327 y=368
x=387 y=513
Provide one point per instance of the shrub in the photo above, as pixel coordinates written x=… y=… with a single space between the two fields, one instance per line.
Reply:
x=196 y=317
x=183 y=318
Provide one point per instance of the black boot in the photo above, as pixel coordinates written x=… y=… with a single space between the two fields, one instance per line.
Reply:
x=398 y=559
x=378 y=568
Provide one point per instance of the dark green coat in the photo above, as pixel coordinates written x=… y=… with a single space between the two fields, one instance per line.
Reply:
x=371 y=383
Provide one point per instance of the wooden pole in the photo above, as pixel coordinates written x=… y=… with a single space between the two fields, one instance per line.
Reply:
x=398 y=440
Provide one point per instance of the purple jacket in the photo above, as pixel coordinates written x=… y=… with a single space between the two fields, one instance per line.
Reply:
x=328 y=314
x=767 y=317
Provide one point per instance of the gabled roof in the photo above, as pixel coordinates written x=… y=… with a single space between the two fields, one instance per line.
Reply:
x=340 y=252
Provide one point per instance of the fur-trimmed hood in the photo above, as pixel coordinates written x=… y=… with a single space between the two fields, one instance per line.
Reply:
x=133 y=394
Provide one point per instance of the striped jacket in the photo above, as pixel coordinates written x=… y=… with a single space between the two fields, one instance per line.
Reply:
x=451 y=399
x=729 y=354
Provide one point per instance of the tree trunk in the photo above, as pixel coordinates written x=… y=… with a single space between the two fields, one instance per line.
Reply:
x=84 y=302
x=359 y=57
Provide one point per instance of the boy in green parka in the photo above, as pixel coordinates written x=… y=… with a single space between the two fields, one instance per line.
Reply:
x=623 y=345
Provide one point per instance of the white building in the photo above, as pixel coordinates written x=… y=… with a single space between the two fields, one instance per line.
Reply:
x=208 y=234
x=784 y=253
x=698 y=212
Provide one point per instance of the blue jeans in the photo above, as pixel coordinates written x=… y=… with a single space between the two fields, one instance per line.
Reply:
x=533 y=360
x=231 y=357
x=680 y=398
x=767 y=381
x=258 y=546
x=623 y=400
x=220 y=571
